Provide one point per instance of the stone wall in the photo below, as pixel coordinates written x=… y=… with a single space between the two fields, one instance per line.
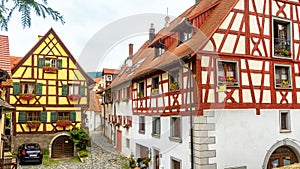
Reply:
x=43 y=139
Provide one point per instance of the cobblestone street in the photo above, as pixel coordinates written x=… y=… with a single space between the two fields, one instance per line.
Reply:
x=103 y=156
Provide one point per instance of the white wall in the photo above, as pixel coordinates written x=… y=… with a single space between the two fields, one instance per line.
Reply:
x=166 y=147
x=93 y=120
x=244 y=138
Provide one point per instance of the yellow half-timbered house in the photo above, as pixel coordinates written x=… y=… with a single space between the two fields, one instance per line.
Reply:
x=50 y=94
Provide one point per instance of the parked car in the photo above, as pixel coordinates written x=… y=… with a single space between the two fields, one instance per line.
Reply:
x=30 y=153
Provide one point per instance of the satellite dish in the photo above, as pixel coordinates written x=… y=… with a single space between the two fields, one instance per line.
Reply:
x=128 y=62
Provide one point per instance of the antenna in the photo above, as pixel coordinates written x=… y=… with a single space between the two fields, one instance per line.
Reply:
x=167 y=18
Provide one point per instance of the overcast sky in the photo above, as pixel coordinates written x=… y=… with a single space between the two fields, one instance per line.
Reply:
x=85 y=18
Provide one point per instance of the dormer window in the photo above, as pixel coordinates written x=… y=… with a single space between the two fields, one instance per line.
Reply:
x=185 y=31
x=282 y=38
x=109 y=78
x=159 y=51
x=185 y=35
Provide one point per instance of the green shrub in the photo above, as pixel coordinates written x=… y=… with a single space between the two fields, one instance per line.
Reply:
x=83 y=153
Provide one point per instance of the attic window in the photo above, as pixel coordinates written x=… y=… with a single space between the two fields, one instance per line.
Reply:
x=50 y=62
x=185 y=31
x=184 y=36
x=159 y=51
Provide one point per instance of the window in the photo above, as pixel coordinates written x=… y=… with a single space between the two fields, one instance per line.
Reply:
x=285 y=125
x=155 y=85
x=174 y=79
x=156 y=126
x=185 y=35
x=27 y=88
x=127 y=92
x=175 y=129
x=282 y=76
x=63 y=116
x=227 y=73
x=282 y=38
x=109 y=78
x=127 y=142
x=159 y=51
x=142 y=124
x=141 y=89
x=74 y=89
x=33 y=116
x=50 y=62
x=175 y=163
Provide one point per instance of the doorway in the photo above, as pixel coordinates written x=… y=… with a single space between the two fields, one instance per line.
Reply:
x=62 y=147
x=156 y=159
x=282 y=156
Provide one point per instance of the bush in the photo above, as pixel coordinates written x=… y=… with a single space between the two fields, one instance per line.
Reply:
x=83 y=153
x=45 y=151
x=80 y=138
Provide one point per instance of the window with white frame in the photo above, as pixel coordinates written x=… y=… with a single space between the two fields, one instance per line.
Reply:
x=282 y=37
x=51 y=62
x=282 y=76
x=285 y=121
x=174 y=79
x=155 y=126
x=141 y=89
x=185 y=35
x=159 y=51
x=227 y=73
x=175 y=132
x=142 y=124
x=127 y=143
x=109 y=78
x=74 y=89
x=175 y=163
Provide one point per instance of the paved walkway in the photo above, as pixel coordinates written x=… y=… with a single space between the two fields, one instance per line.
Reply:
x=103 y=156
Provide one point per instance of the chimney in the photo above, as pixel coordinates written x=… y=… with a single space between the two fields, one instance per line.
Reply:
x=197 y=1
x=130 y=50
x=151 y=32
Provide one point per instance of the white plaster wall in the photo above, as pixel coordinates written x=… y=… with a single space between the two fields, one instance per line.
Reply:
x=166 y=147
x=243 y=138
x=93 y=120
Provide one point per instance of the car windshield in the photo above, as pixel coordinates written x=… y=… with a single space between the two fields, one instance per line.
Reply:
x=32 y=147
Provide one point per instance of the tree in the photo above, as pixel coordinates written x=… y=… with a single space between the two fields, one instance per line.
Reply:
x=8 y=7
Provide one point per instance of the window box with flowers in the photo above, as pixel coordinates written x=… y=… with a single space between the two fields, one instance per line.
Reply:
x=174 y=86
x=49 y=69
x=74 y=97
x=285 y=84
x=229 y=81
x=125 y=99
x=284 y=53
x=126 y=126
x=63 y=123
x=33 y=124
x=118 y=125
x=27 y=96
x=155 y=91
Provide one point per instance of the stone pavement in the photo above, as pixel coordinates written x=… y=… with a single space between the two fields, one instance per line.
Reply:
x=103 y=156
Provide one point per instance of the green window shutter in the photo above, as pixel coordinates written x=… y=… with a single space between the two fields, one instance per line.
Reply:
x=82 y=90
x=73 y=116
x=64 y=90
x=22 y=117
x=39 y=89
x=53 y=117
x=59 y=64
x=16 y=88
x=43 y=117
x=41 y=62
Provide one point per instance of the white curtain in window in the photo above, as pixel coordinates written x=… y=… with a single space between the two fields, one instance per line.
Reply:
x=30 y=89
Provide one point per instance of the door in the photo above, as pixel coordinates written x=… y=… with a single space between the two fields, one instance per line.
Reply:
x=119 y=140
x=62 y=147
x=282 y=156
x=156 y=159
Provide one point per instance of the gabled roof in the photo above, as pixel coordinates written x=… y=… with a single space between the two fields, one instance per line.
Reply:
x=110 y=71
x=219 y=10
x=4 y=54
x=14 y=60
x=94 y=103
x=90 y=81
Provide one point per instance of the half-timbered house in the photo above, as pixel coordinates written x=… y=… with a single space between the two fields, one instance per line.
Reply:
x=50 y=93
x=231 y=69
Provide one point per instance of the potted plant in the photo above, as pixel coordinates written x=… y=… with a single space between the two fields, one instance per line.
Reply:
x=27 y=96
x=174 y=86
x=284 y=84
x=155 y=91
x=33 y=124
x=74 y=97
x=286 y=53
x=140 y=94
x=50 y=69
x=125 y=99
x=230 y=80
x=63 y=123
x=118 y=125
x=126 y=126
x=117 y=101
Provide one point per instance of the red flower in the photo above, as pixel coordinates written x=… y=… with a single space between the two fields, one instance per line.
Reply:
x=84 y=142
x=63 y=123
x=74 y=97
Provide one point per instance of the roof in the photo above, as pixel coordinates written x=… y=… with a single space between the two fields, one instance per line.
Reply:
x=5 y=105
x=109 y=71
x=144 y=61
x=94 y=103
x=14 y=60
x=4 y=53
x=89 y=80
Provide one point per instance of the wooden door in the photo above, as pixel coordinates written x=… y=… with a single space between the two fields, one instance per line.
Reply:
x=62 y=147
x=119 y=140
x=156 y=159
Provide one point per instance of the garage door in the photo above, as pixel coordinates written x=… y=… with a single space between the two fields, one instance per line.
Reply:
x=62 y=147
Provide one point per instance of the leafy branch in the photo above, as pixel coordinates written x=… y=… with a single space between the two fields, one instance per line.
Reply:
x=25 y=7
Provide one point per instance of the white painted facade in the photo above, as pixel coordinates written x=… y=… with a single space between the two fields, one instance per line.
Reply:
x=163 y=144
x=245 y=139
